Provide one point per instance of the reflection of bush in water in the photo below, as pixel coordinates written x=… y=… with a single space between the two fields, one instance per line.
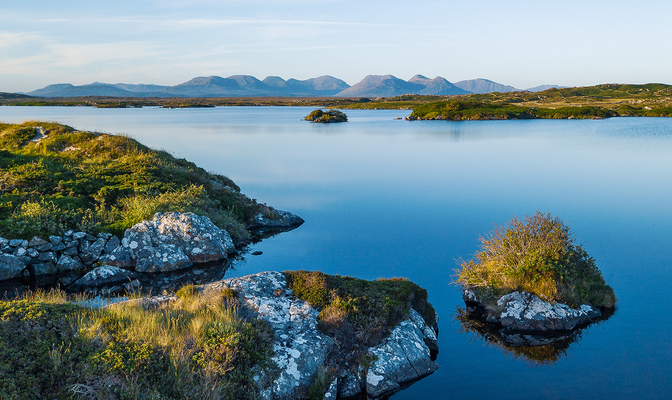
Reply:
x=548 y=348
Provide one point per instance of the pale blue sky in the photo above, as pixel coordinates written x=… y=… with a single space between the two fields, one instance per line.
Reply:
x=517 y=42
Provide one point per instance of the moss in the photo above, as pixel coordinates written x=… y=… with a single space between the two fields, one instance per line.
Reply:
x=539 y=255
x=358 y=311
x=99 y=182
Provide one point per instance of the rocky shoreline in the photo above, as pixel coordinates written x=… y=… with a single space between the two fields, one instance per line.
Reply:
x=167 y=243
x=302 y=350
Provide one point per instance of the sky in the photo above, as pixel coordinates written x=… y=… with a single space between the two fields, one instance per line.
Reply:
x=517 y=42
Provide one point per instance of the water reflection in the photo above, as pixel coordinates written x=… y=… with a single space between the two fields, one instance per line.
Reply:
x=534 y=348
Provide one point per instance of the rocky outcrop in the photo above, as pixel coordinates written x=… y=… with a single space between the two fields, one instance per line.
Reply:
x=173 y=240
x=301 y=348
x=523 y=311
x=403 y=356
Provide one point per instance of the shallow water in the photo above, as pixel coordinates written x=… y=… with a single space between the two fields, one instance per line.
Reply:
x=384 y=197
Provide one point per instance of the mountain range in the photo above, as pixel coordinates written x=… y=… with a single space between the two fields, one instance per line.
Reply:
x=249 y=86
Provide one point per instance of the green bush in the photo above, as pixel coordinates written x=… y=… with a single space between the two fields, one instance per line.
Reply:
x=539 y=255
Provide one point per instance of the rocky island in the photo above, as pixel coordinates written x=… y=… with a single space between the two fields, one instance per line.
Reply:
x=531 y=284
x=326 y=117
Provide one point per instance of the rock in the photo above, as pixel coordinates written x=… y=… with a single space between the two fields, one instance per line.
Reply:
x=300 y=349
x=349 y=386
x=4 y=242
x=111 y=244
x=257 y=253
x=48 y=256
x=119 y=257
x=90 y=238
x=105 y=275
x=287 y=220
x=332 y=392
x=44 y=247
x=68 y=263
x=20 y=252
x=44 y=268
x=37 y=241
x=527 y=312
x=7 y=249
x=18 y=243
x=92 y=252
x=164 y=258
x=77 y=235
x=171 y=233
x=104 y=235
x=401 y=357
x=55 y=240
x=32 y=253
x=71 y=250
x=11 y=266
x=58 y=247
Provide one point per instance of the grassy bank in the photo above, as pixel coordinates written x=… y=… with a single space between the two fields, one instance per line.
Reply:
x=54 y=178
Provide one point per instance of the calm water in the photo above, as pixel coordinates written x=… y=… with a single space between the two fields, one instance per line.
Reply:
x=385 y=198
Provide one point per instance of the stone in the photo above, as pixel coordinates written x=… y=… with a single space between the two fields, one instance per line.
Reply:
x=168 y=234
x=58 y=247
x=111 y=244
x=3 y=242
x=119 y=257
x=90 y=238
x=92 y=252
x=524 y=311
x=21 y=251
x=11 y=266
x=78 y=235
x=332 y=392
x=164 y=258
x=300 y=349
x=71 y=251
x=402 y=356
x=18 y=243
x=105 y=275
x=349 y=386
x=7 y=249
x=48 y=256
x=104 y=235
x=55 y=240
x=37 y=241
x=44 y=268
x=44 y=247
x=32 y=253
x=68 y=263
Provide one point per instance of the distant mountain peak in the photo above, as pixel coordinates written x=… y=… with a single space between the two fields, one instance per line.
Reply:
x=481 y=85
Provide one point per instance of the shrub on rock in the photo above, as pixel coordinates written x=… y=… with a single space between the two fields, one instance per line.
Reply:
x=538 y=255
x=326 y=117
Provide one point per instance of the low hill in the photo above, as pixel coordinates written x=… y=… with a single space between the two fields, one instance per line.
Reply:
x=481 y=85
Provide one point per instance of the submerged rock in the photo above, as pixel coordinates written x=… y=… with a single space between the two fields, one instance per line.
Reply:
x=285 y=219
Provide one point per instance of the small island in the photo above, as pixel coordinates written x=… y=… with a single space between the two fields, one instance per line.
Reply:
x=531 y=276
x=326 y=117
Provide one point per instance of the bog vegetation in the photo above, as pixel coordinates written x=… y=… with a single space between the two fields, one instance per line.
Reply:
x=537 y=254
x=196 y=347
x=54 y=178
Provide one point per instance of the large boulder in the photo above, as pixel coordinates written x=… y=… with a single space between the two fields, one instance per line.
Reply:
x=401 y=357
x=172 y=241
x=11 y=266
x=105 y=275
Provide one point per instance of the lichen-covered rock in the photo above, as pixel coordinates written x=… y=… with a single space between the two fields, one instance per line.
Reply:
x=119 y=257
x=44 y=268
x=195 y=236
x=300 y=348
x=93 y=251
x=402 y=356
x=164 y=258
x=69 y=263
x=36 y=241
x=12 y=266
x=105 y=275
x=526 y=312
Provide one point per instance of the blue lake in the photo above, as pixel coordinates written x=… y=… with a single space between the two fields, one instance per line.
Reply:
x=387 y=198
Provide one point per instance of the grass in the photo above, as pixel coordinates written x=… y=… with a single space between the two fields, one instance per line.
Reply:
x=359 y=313
x=194 y=348
x=99 y=182
x=539 y=255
